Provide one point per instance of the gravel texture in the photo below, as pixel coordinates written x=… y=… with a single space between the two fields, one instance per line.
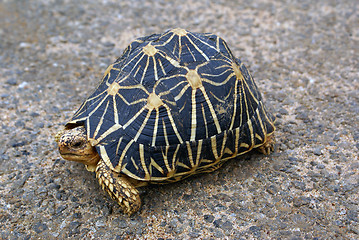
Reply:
x=304 y=57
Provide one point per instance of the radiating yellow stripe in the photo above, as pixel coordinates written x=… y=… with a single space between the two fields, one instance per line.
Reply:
x=246 y=145
x=234 y=105
x=180 y=48
x=134 y=163
x=246 y=104
x=170 y=91
x=97 y=107
x=218 y=75
x=138 y=69
x=193 y=116
x=139 y=131
x=162 y=68
x=214 y=146
x=217 y=84
x=138 y=61
x=262 y=126
x=169 y=39
x=236 y=141
x=250 y=127
x=154 y=136
x=165 y=132
x=132 y=103
x=155 y=164
x=143 y=163
x=108 y=132
x=198 y=49
x=193 y=56
x=101 y=121
x=133 y=118
x=173 y=61
x=173 y=124
x=175 y=156
x=224 y=141
x=251 y=93
x=105 y=157
x=190 y=156
x=181 y=164
x=118 y=167
x=184 y=89
x=205 y=120
x=199 y=150
x=240 y=94
x=165 y=158
x=155 y=67
x=88 y=127
x=205 y=43
x=118 y=145
x=145 y=70
x=214 y=116
x=115 y=112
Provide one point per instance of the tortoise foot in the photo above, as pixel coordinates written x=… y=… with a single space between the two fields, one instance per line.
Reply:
x=268 y=145
x=119 y=188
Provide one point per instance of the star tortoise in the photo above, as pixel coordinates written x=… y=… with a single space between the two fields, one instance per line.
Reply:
x=173 y=105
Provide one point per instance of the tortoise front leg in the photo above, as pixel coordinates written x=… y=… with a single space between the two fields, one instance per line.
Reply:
x=119 y=188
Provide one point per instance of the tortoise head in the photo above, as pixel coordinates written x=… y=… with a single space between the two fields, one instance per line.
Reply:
x=74 y=146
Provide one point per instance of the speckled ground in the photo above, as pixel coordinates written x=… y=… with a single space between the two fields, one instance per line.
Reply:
x=304 y=58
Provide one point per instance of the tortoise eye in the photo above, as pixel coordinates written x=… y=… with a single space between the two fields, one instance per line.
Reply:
x=77 y=144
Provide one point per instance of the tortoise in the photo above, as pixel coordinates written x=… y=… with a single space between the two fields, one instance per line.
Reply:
x=173 y=105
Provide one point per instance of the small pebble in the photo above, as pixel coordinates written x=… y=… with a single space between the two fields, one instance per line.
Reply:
x=11 y=81
x=39 y=227
x=23 y=85
x=317 y=151
x=300 y=201
x=25 y=45
x=209 y=218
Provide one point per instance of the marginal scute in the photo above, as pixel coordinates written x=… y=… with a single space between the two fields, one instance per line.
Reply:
x=173 y=61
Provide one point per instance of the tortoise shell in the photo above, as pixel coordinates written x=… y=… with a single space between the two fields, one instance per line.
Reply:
x=172 y=105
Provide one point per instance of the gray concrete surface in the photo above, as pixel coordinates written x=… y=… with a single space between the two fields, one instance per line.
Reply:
x=304 y=58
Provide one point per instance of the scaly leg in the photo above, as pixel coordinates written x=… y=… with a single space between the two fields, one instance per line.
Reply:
x=268 y=146
x=119 y=188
